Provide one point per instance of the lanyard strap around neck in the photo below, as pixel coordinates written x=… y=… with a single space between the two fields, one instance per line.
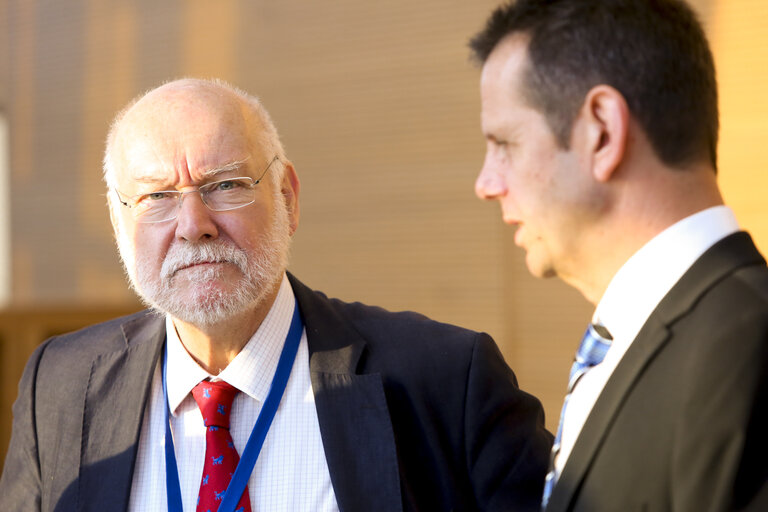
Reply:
x=258 y=434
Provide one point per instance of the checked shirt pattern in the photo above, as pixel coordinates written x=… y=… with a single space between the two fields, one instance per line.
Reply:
x=215 y=402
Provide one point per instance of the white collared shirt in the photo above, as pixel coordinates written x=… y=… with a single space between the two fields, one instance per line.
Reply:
x=291 y=473
x=632 y=295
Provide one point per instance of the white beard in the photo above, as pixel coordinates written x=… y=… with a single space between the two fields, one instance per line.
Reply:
x=208 y=304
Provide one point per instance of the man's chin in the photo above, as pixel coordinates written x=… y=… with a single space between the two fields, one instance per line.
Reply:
x=205 y=293
x=191 y=300
x=539 y=268
x=204 y=307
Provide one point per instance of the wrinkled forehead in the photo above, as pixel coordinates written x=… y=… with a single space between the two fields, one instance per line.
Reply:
x=178 y=134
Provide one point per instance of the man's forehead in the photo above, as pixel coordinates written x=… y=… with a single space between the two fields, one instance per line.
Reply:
x=182 y=108
x=501 y=81
x=150 y=146
x=507 y=60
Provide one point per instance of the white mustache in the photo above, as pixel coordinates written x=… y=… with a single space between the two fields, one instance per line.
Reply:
x=180 y=256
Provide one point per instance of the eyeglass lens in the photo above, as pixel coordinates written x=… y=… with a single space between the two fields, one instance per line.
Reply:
x=218 y=196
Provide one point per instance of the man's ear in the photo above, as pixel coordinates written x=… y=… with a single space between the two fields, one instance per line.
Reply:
x=606 y=117
x=289 y=188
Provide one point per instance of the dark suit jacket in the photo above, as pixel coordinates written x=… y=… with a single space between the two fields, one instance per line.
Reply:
x=414 y=415
x=682 y=425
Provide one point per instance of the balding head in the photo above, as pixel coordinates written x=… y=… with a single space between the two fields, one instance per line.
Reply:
x=178 y=111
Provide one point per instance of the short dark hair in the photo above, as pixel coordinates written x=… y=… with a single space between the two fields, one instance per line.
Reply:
x=654 y=52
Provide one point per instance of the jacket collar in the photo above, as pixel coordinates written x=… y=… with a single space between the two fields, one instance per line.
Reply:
x=351 y=406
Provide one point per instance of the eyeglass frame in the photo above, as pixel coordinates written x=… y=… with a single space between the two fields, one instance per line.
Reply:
x=181 y=195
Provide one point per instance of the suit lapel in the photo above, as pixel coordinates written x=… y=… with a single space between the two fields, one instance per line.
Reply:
x=352 y=410
x=719 y=261
x=110 y=431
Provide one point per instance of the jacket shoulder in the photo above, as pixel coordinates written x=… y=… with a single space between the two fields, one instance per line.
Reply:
x=97 y=338
x=398 y=329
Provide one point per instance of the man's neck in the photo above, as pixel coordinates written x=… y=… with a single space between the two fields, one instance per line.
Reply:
x=213 y=347
x=647 y=205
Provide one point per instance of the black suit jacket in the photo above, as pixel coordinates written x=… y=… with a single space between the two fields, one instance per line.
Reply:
x=682 y=424
x=414 y=415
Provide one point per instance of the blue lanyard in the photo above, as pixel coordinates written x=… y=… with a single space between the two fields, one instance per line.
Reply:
x=258 y=434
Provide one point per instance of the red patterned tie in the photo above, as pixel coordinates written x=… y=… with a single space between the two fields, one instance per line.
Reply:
x=221 y=458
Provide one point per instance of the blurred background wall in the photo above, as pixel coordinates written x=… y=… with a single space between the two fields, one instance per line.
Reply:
x=378 y=107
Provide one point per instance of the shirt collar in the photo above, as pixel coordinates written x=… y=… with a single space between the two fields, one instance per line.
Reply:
x=643 y=281
x=251 y=371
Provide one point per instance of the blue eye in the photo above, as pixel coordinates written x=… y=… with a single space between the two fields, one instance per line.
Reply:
x=227 y=185
x=156 y=199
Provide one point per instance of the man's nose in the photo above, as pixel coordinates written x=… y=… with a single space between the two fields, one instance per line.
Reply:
x=490 y=184
x=194 y=222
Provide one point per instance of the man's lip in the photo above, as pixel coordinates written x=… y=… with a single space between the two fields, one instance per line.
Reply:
x=192 y=265
x=518 y=230
x=515 y=223
x=510 y=220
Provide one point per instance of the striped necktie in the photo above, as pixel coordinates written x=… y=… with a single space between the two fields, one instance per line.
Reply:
x=594 y=346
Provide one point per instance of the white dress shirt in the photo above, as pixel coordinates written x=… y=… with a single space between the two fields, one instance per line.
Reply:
x=632 y=295
x=291 y=473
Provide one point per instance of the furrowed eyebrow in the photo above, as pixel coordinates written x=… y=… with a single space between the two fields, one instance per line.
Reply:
x=206 y=175
x=234 y=166
x=149 y=179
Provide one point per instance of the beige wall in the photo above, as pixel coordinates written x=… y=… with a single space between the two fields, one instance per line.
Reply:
x=378 y=107
x=741 y=50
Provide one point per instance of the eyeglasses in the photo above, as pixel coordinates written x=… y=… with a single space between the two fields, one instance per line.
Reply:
x=218 y=196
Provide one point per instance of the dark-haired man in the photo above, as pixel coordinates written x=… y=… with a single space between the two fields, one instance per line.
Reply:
x=331 y=406
x=601 y=123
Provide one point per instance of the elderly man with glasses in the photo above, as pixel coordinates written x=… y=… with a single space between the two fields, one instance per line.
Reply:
x=334 y=406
